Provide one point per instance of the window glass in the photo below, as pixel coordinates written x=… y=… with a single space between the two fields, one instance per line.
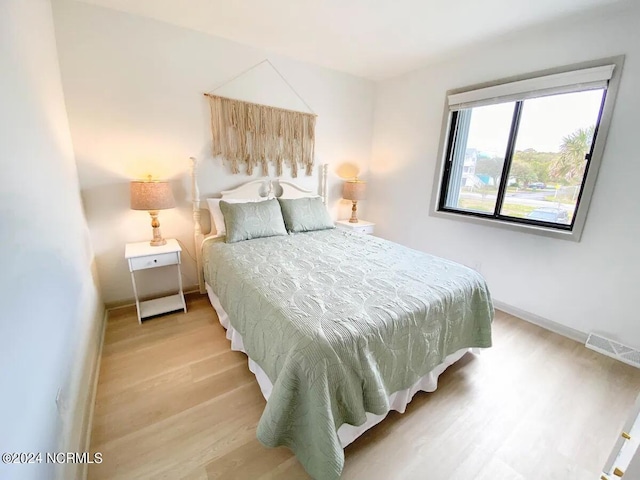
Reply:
x=548 y=166
x=477 y=157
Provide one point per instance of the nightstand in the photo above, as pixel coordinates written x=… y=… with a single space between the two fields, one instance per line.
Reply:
x=142 y=256
x=361 y=227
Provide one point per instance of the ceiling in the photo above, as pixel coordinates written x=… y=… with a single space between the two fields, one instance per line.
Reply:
x=367 y=38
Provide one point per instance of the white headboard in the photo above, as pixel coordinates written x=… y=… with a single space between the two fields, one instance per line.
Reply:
x=268 y=188
x=262 y=188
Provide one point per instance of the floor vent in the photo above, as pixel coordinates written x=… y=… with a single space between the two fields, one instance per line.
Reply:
x=616 y=350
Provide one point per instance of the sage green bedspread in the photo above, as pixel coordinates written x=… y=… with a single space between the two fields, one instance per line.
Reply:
x=338 y=321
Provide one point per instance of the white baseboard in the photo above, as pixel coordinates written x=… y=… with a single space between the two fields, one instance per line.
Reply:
x=91 y=399
x=78 y=434
x=555 y=327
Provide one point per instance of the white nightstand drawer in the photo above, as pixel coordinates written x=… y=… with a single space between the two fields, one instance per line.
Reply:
x=362 y=226
x=151 y=261
x=367 y=229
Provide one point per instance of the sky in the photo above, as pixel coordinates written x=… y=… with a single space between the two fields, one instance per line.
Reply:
x=543 y=124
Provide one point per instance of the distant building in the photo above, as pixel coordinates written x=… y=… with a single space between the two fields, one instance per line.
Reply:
x=469 y=178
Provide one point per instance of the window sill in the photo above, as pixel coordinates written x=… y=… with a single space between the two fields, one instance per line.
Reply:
x=515 y=227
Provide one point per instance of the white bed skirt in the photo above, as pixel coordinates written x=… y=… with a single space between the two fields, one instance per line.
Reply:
x=346 y=433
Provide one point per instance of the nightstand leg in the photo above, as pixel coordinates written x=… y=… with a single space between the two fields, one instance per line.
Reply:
x=184 y=304
x=135 y=293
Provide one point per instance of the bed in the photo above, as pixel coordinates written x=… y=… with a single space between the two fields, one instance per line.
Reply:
x=339 y=327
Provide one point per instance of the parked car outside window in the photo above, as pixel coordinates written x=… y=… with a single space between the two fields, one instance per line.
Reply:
x=547 y=214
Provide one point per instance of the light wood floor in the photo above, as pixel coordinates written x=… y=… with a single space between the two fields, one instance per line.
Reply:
x=175 y=403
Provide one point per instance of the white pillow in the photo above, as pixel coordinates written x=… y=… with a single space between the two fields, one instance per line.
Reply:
x=217 y=219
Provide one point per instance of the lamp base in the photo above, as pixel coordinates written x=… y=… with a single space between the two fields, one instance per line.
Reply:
x=354 y=208
x=158 y=243
x=157 y=240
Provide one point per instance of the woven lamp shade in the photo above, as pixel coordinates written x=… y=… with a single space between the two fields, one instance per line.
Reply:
x=354 y=190
x=150 y=195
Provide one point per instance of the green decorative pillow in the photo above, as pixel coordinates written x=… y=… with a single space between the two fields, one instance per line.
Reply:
x=305 y=214
x=244 y=221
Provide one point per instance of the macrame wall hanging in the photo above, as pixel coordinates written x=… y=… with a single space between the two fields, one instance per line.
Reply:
x=255 y=135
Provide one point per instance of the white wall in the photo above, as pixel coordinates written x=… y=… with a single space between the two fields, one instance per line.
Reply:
x=591 y=285
x=51 y=312
x=134 y=92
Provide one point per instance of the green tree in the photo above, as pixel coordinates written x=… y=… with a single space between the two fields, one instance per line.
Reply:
x=570 y=164
x=539 y=162
x=522 y=171
x=491 y=167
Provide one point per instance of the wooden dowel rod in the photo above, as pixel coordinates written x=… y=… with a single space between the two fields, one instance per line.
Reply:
x=261 y=105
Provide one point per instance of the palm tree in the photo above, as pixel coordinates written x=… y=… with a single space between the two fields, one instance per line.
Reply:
x=570 y=164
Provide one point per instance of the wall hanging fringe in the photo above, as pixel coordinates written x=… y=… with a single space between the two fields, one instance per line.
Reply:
x=254 y=135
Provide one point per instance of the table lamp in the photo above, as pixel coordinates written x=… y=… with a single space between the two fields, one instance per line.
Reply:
x=152 y=196
x=354 y=190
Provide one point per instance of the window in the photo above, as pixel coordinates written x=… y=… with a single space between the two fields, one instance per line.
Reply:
x=525 y=154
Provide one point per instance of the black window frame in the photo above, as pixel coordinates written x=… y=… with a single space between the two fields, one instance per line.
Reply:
x=506 y=167
x=575 y=229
